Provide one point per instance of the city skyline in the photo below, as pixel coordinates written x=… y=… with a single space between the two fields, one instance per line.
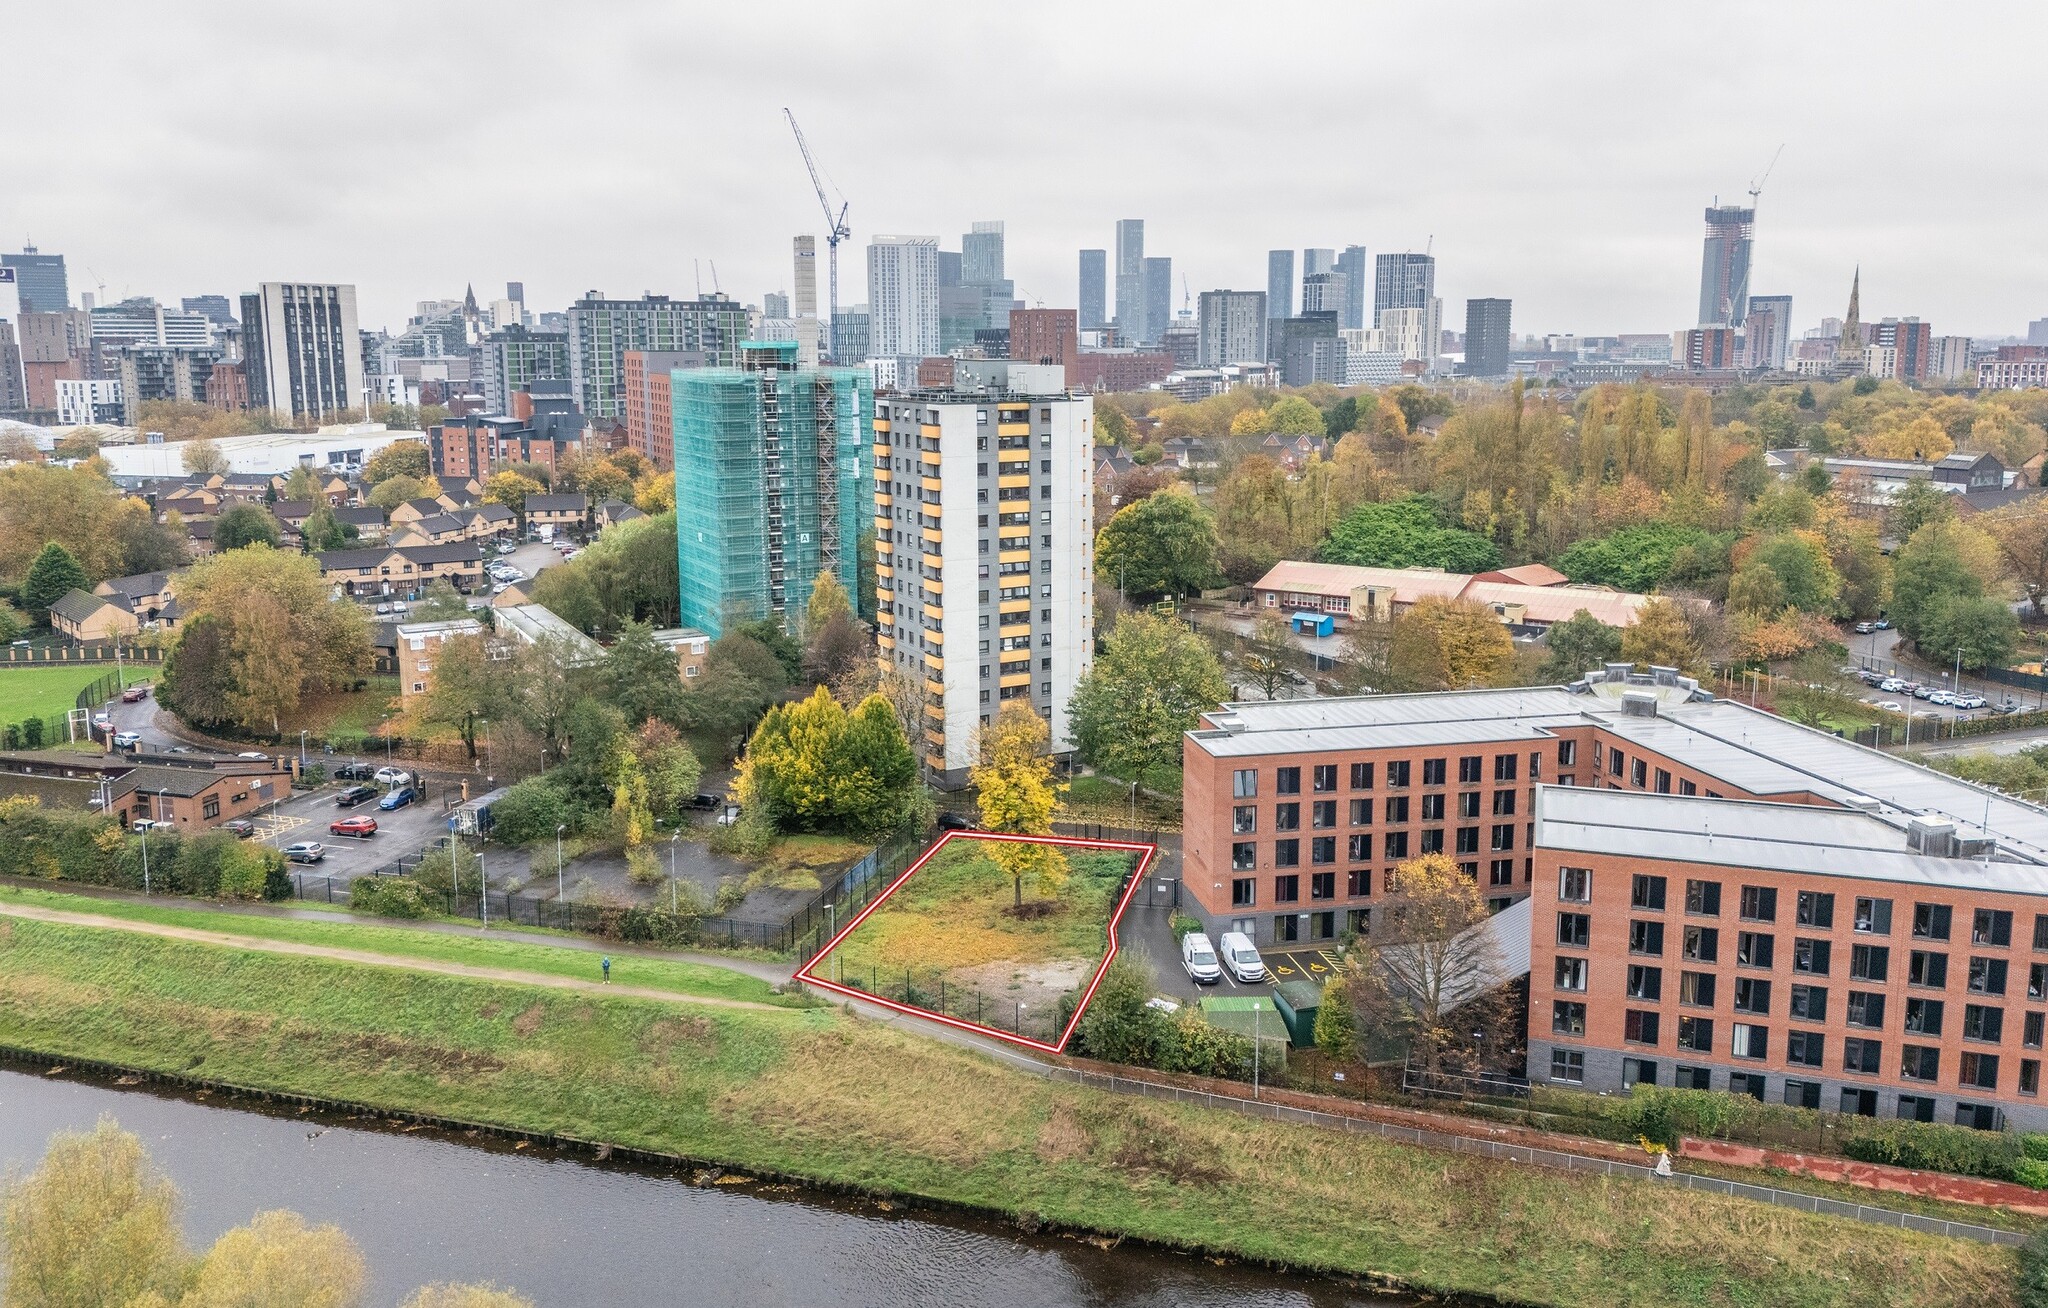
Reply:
x=196 y=205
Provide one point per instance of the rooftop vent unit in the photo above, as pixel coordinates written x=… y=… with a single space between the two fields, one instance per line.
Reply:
x=1639 y=703
x=1863 y=803
x=1976 y=847
x=1617 y=671
x=1935 y=837
x=1229 y=722
x=1664 y=676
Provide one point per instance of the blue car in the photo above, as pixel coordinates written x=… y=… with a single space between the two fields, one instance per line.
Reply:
x=398 y=798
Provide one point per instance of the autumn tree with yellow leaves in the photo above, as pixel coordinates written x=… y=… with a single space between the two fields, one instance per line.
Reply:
x=1017 y=795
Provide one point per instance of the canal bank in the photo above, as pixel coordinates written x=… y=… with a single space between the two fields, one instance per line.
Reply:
x=820 y=1096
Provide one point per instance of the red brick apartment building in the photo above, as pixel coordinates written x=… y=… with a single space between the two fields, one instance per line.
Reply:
x=1719 y=898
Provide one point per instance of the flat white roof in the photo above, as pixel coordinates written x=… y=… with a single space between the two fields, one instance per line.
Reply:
x=266 y=454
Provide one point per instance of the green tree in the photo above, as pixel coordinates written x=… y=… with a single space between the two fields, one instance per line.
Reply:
x=1292 y=415
x=94 y=1224
x=1916 y=504
x=828 y=600
x=53 y=575
x=12 y=623
x=398 y=459
x=302 y=485
x=246 y=524
x=142 y=544
x=1151 y=680
x=464 y=687
x=1979 y=630
x=1163 y=545
x=322 y=530
x=1795 y=571
x=441 y=602
x=198 y=672
x=396 y=490
x=275 y=1260
x=1579 y=644
x=1112 y=426
x=1426 y=939
x=1408 y=533
x=1942 y=560
x=1336 y=1030
x=769 y=635
x=811 y=766
x=510 y=489
x=643 y=678
x=1637 y=558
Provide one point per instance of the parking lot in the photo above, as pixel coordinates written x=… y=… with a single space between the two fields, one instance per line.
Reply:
x=402 y=831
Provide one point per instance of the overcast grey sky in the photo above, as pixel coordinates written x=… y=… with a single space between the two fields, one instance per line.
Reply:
x=1558 y=154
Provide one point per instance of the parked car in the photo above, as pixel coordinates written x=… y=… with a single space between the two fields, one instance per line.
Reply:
x=506 y=547
x=355 y=795
x=383 y=608
x=101 y=722
x=1241 y=957
x=1865 y=628
x=1891 y=685
x=391 y=776
x=239 y=828
x=1871 y=676
x=1926 y=692
x=353 y=772
x=362 y=828
x=1938 y=696
x=705 y=803
x=126 y=739
x=1967 y=701
x=397 y=799
x=1883 y=624
x=955 y=822
x=253 y=753
x=1199 y=958
x=1890 y=706
x=305 y=851
x=135 y=694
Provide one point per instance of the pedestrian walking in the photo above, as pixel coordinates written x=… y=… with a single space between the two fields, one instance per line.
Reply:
x=607 y=969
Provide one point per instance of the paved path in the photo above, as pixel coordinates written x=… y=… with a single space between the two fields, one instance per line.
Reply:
x=229 y=939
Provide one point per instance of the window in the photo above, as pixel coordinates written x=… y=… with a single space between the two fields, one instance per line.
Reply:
x=1468 y=840
x=1396 y=810
x=1687 y=788
x=1696 y=989
x=1754 y=949
x=1663 y=782
x=1759 y=904
x=1702 y=944
x=1749 y=1041
x=2037 y=981
x=1432 y=808
x=1503 y=837
x=1802 y=1094
x=1639 y=773
x=2041 y=930
x=1987 y=976
x=1567 y=753
x=1397 y=775
x=1639 y=1027
x=1287 y=889
x=1568 y=1065
x=1991 y=926
x=1930 y=921
x=1614 y=759
x=1927 y=969
x=1646 y=938
x=1567 y=1017
x=1703 y=898
x=1286 y=927
x=1323 y=813
x=1645 y=982
x=1693 y=1078
x=1286 y=817
x=1869 y=962
x=1575 y=884
x=1360 y=849
x=1646 y=892
x=1923 y=1016
x=1504 y=767
x=1468 y=804
x=2030 y=1076
x=1811 y=956
x=1433 y=771
x=1469 y=768
x=1322 y=849
x=1361 y=776
x=2030 y=1030
x=1866 y=1008
x=1397 y=844
x=1287 y=781
x=1638 y=1071
x=1287 y=853
x=1243 y=892
x=1244 y=819
x=1874 y=916
x=1244 y=856
x=1244 y=783
x=1807 y=1049
x=1696 y=1034
x=1573 y=930
x=1859 y=1103
x=1982 y=1022
x=1358 y=881
x=1816 y=909
x=1501 y=872
x=1361 y=812
x=1862 y=1056
x=1325 y=778
x=1752 y=995
x=1979 y=1070
x=1571 y=973
x=1810 y=1003
x=1503 y=803
x=1915 y=1108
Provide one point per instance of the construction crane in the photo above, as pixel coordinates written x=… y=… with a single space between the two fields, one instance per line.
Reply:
x=1756 y=187
x=836 y=231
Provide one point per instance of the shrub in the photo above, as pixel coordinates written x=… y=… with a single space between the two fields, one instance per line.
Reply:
x=389 y=897
x=2033 y=1277
x=531 y=810
x=1185 y=1042
x=2031 y=1172
x=2035 y=1145
x=1183 y=925
x=1933 y=1147
x=642 y=867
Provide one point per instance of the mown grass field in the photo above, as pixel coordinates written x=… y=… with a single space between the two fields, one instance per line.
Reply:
x=474 y=949
x=49 y=692
x=821 y=1095
x=957 y=912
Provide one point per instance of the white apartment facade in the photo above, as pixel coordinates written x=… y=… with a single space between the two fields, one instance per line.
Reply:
x=984 y=546
x=1413 y=334
x=903 y=296
x=82 y=401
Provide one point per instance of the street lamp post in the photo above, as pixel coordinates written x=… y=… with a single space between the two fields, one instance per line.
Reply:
x=483 y=881
x=145 y=860
x=673 y=838
x=558 y=862
x=302 y=751
x=1255 y=1049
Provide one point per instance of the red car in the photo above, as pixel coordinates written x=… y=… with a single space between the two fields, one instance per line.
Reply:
x=135 y=694
x=360 y=827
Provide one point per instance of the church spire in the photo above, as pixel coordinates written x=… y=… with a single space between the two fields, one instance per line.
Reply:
x=1849 y=349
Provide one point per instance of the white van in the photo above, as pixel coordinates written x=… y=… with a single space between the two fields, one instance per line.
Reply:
x=1199 y=959
x=1241 y=958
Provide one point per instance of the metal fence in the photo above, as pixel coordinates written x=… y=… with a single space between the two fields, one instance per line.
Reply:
x=932 y=992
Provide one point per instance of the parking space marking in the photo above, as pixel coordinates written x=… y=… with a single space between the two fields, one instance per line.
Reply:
x=1302 y=964
x=276 y=824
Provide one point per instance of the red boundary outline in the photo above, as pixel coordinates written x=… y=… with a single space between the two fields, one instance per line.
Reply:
x=1145 y=852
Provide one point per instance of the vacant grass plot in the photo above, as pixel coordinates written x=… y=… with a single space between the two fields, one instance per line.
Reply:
x=51 y=692
x=966 y=937
x=821 y=1095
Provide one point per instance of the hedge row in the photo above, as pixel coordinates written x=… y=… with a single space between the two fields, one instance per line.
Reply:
x=66 y=845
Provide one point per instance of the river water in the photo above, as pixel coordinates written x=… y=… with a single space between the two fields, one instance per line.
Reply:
x=570 y=1232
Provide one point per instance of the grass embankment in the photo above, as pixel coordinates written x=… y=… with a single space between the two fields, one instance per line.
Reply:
x=818 y=1094
x=958 y=911
x=403 y=943
x=49 y=692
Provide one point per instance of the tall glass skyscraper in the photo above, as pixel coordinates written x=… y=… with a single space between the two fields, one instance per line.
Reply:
x=1094 y=289
x=39 y=280
x=1724 y=267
